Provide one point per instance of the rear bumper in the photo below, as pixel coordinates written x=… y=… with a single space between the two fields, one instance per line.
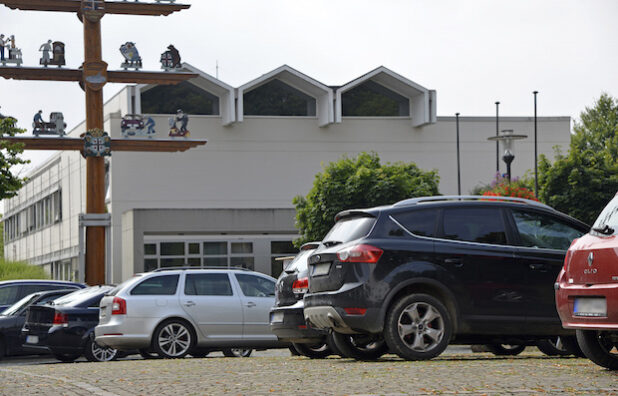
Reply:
x=56 y=340
x=565 y=301
x=288 y=324
x=116 y=336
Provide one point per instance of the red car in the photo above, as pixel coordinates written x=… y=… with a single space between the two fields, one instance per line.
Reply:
x=587 y=289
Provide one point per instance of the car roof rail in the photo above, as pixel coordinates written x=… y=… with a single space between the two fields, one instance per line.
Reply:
x=419 y=200
x=184 y=268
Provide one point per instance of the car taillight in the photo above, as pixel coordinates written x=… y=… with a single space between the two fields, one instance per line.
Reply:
x=360 y=254
x=119 y=306
x=300 y=286
x=60 y=318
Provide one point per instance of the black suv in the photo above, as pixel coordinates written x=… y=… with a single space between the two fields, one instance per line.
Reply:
x=425 y=272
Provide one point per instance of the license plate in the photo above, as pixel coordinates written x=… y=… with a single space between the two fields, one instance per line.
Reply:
x=590 y=307
x=320 y=269
x=32 y=339
x=276 y=317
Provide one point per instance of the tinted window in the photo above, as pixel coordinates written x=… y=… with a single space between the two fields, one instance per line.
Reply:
x=300 y=261
x=164 y=285
x=418 y=222
x=29 y=289
x=609 y=215
x=483 y=225
x=255 y=286
x=350 y=229
x=208 y=285
x=542 y=231
x=9 y=294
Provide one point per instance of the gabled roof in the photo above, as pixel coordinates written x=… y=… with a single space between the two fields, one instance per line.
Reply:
x=214 y=86
x=422 y=100
x=322 y=93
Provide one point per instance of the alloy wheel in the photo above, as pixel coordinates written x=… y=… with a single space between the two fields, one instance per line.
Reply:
x=174 y=340
x=420 y=326
x=103 y=354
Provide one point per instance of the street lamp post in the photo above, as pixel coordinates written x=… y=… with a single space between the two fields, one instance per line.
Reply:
x=507 y=138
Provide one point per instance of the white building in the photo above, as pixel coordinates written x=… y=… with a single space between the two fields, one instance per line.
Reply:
x=230 y=202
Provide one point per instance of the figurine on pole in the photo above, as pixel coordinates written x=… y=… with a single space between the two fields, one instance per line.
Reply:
x=14 y=52
x=3 y=43
x=45 y=49
x=178 y=125
x=55 y=126
x=131 y=56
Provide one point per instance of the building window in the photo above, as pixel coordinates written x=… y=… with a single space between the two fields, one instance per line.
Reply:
x=167 y=99
x=371 y=99
x=276 y=98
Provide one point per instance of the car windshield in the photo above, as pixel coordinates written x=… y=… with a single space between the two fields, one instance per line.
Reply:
x=349 y=229
x=78 y=297
x=24 y=302
x=608 y=217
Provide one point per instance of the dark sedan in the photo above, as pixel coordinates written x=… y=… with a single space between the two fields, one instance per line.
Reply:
x=12 y=319
x=65 y=327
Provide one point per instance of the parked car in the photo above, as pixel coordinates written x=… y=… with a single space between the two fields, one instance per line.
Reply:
x=287 y=320
x=65 y=326
x=425 y=272
x=173 y=312
x=587 y=289
x=12 y=291
x=12 y=319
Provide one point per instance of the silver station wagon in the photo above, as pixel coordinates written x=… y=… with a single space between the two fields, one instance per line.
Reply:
x=174 y=312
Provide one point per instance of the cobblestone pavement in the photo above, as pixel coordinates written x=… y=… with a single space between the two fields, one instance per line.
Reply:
x=276 y=372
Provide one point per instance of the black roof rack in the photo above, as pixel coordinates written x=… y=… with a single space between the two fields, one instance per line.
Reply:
x=415 y=201
x=201 y=268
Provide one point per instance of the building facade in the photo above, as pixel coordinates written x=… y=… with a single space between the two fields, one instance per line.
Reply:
x=230 y=202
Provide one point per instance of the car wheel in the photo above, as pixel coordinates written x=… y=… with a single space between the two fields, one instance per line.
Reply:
x=293 y=351
x=600 y=347
x=556 y=346
x=97 y=353
x=237 y=352
x=2 y=348
x=66 y=357
x=505 y=349
x=418 y=327
x=313 y=351
x=173 y=339
x=147 y=354
x=333 y=347
x=360 y=346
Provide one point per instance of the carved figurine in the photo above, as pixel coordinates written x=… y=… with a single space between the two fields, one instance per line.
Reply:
x=3 y=42
x=131 y=56
x=170 y=59
x=55 y=126
x=178 y=125
x=134 y=125
x=45 y=49
x=14 y=52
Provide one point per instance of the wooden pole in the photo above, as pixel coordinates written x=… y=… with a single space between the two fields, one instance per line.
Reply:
x=95 y=166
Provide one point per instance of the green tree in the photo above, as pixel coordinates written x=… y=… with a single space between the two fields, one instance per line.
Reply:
x=581 y=182
x=1 y=238
x=359 y=182
x=9 y=157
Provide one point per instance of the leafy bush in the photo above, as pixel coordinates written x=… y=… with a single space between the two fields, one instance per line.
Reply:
x=19 y=270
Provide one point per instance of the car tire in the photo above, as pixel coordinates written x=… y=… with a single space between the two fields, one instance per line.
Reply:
x=597 y=346
x=293 y=351
x=97 y=353
x=418 y=327
x=360 y=346
x=237 y=352
x=173 y=339
x=505 y=349
x=333 y=347
x=559 y=346
x=2 y=348
x=199 y=352
x=319 y=350
x=66 y=357
x=148 y=354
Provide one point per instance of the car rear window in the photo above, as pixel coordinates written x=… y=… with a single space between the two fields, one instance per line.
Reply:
x=349 y=229
x=300 y=261
x=82 y=297
x=609 y=215
x=164 y=285
x=418 y=222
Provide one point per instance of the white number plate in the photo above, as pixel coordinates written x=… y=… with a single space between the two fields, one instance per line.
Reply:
x=276 y=317
x=321 y=269
x=590 y=307
x=32 y=339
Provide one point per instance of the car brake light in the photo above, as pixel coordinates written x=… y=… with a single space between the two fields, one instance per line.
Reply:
x=60 y=318
x=119 y=306
x=360 y=254
x=355 y=311
x=300 y=286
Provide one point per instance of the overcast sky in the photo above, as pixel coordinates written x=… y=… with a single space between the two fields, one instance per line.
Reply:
x=472 y=52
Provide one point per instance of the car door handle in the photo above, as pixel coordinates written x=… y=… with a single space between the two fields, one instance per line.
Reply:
x=250 y=304
x=456 y=261
x=538 y=267
x=189 y=303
